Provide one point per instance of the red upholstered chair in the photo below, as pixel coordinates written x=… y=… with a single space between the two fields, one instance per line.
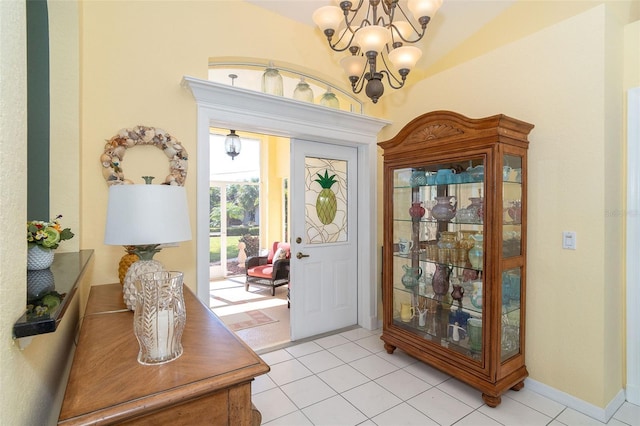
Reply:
x=271 y=270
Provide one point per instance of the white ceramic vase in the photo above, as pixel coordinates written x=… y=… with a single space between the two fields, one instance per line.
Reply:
x=39 y=258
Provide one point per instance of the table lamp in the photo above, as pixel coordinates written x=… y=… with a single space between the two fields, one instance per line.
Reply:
x=145 y=216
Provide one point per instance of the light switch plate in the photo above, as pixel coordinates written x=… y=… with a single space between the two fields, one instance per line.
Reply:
x=569 y=240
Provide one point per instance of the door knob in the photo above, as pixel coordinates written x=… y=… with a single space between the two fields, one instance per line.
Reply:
x=298 y=240
x=300 y=255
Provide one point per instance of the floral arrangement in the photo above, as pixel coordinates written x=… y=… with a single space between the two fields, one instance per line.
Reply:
x=47 y=234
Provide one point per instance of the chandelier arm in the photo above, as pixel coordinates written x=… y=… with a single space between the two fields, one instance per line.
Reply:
x=362 y=24
x=354 y=86
x=389 y=74
x=348 y=21
x=349 y=8
x=334 y=46
x=389 y=9
x=423 y=24
x=420 y=34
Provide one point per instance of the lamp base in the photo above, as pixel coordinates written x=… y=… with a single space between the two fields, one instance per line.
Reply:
x=129 y=287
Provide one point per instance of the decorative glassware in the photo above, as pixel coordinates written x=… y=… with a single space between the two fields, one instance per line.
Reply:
x=272 y=81
x=329 y=99
x=477 y=207
x=440 y=281
x=466 y=241
x=474 y=329
x=447 y=240
x=418 y=178
x=416 y=210
x=159 y=317
x=476 y=295
x=303 y=92
x=515 y=211
x=411 y=276
x=444 y=210
x=476 y=254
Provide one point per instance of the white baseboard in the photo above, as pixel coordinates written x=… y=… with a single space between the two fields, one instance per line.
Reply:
x=601 y=414
x=370 y=323
x=633 y=394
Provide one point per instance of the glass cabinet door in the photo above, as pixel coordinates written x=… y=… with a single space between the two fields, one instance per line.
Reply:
x=511 y=247
x=512 y=206
x=438 y=253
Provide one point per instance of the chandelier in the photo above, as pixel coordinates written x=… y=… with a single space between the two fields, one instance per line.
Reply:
x=376 y=30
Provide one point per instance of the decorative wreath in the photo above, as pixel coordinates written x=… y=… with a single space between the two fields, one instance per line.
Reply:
x=115 y=148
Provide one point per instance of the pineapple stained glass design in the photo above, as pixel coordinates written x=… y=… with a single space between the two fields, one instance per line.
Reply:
x=325 y=200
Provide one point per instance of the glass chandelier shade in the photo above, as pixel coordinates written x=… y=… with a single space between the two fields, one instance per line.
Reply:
x=405 y=57
x=374 y=31
x=372 y=38
x=328 y=17
x=420 y=8
x=232 y=144
x=354 y=65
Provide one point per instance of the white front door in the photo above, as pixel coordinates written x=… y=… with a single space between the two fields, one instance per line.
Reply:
x=324 y=259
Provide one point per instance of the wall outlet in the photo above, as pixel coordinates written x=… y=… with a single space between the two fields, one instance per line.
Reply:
x=569 y=240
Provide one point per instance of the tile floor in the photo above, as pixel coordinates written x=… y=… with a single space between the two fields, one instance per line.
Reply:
x=229 y=297
x=348 y=379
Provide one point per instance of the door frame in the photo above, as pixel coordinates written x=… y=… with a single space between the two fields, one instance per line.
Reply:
x=633 y=246
x=225 y=106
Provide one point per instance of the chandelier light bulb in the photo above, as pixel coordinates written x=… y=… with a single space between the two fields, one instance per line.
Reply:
x=354 y=65
x=328 y=18
x=422 y=8
x=405 y=57
x=372 y=38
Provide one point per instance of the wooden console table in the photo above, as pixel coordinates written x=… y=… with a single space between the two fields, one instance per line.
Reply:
x=209 y=384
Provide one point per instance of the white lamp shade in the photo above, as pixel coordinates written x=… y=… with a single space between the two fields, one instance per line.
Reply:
x=147 y=214
x=420 y=8
x=328 y=17
x=404 y=28
x=405 y=57
x=353 y=65
x=372 y=38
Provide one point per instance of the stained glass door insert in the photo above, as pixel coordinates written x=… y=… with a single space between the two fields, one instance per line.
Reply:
x=325 y=200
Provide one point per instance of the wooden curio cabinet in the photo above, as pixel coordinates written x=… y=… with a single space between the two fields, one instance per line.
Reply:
x=455 y=238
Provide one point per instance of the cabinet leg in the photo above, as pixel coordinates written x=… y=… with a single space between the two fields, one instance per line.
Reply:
x=518 y=386
x=256 y=416
x=492 y=401
x=389 y=348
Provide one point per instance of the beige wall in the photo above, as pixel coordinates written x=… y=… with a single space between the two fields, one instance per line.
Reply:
x=277 y=150
x=565 y=79
x=32 y=380
x=131 y=75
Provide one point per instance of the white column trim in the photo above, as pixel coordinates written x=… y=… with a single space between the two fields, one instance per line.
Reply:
x=225 y=106
x=633 y=246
